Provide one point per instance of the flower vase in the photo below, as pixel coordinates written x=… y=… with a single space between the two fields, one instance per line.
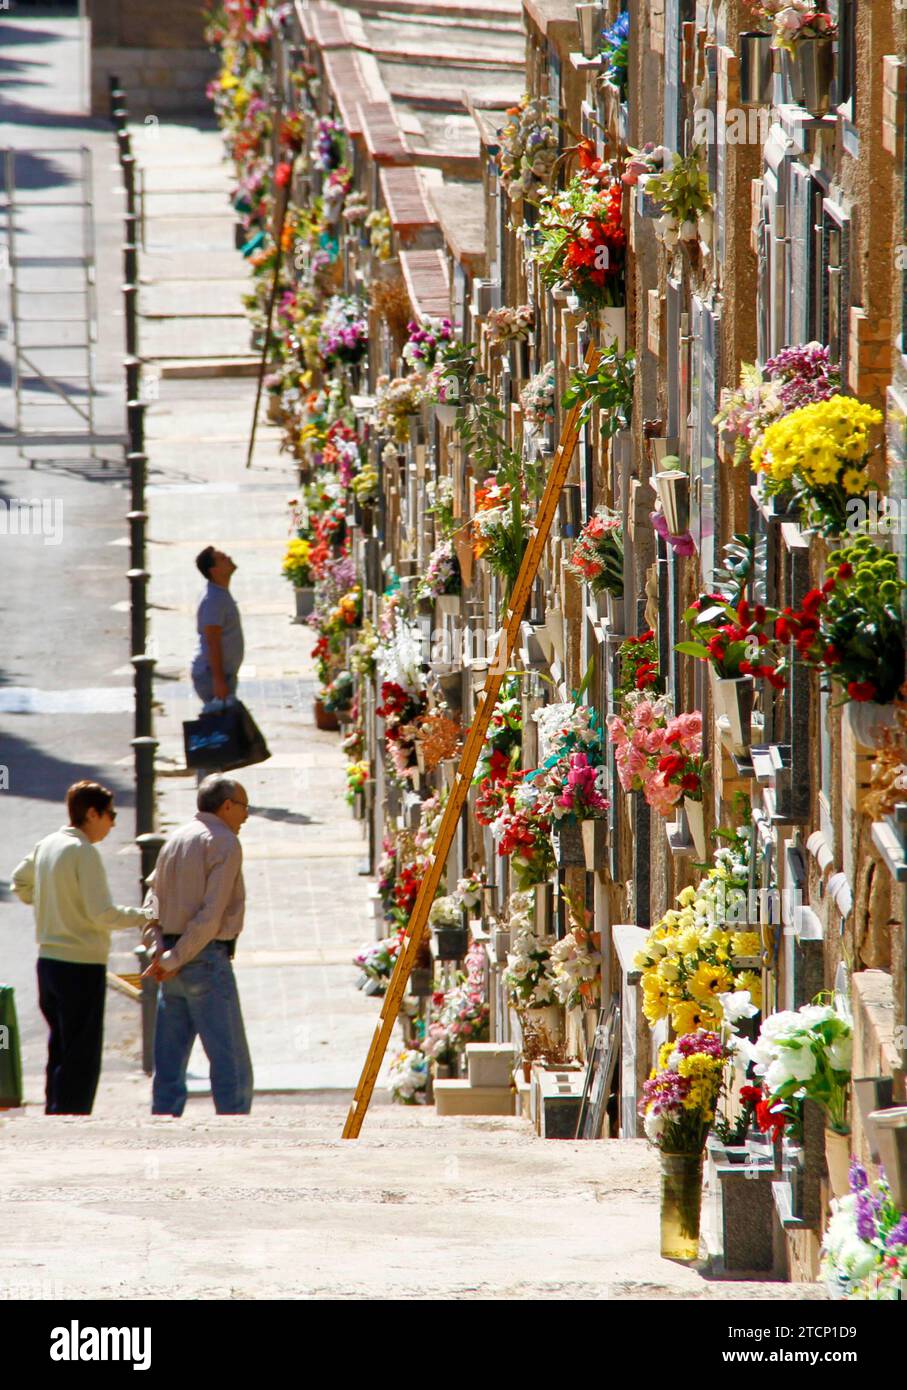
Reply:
x=673 y=486
x=595 y=842
x=734 y=700
x=756 y=69
x=615 y=609
x=543 y=1028
x=446 y=415
x=447 y=605
x=891 y=1133
x=543 y=910
x=589 y=18
x=463 y=547
x=837 y=1161
x=451 y=943
x=305 y=601
x=695 y=814
x=613 y=322
x=568 y=845
x=809 y=71
x=681 y=1204
x=325 y=719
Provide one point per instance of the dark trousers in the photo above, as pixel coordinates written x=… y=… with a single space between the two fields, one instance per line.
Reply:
x=72 y=1000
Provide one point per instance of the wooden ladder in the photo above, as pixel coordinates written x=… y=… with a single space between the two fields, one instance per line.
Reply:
x=469 y=757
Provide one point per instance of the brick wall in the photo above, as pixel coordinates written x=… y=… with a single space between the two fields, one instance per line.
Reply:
x=157 y=50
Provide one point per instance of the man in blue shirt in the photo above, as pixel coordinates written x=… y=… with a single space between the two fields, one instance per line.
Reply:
x=219 y=654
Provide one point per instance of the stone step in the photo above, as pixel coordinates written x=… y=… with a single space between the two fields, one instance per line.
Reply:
x=490 y=1064
x=461 y=1098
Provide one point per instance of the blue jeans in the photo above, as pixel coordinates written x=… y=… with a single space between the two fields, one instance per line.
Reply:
x=201 y=1001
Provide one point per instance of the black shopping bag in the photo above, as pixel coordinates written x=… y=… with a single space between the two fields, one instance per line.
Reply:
x=224 y=739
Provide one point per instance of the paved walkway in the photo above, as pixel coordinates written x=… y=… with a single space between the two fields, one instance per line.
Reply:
x=307 y=903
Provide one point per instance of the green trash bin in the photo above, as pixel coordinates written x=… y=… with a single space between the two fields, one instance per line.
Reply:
x=10 y=1057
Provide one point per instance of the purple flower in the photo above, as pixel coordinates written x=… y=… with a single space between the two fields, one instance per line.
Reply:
x=858 y=1179
x=897 y=1235
x=866 y=1224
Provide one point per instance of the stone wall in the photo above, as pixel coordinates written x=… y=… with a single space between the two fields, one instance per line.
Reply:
x=157 y=50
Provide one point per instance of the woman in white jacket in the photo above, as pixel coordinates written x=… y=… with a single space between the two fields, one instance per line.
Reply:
x=65 y=881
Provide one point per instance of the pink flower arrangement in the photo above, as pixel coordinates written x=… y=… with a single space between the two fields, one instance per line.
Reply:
x=657 y=754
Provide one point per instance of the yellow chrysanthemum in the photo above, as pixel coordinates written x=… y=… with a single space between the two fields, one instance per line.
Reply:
x=708 y=982
x=689 y=1015
x=854 y=481
x=655 y=1002
x=749 y=979
x=689 y=941
x=746 y=943
x=668 y=970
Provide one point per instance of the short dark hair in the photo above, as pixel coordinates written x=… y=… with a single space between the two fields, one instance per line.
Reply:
x=205 y=560
x=214 y=791
x=83 y=797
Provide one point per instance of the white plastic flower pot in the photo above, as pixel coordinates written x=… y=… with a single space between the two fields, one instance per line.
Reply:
x=868 y=721
x=589 y=19
x=613 y=322
x=734 y=700
x=446 y=415
x=674 y=491
x=837 y=1161
x=695 y=814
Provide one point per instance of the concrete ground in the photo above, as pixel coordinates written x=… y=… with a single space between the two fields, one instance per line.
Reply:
x=275 y=1205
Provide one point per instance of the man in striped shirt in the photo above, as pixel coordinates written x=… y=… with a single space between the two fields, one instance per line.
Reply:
x=198 y=898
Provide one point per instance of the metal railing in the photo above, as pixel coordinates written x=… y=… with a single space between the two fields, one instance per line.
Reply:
x=144 y=744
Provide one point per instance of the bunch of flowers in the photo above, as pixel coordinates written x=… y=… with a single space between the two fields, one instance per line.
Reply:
x=442 y=574
x=657 y=754
x=648 y=159
x=361 y=655
x=342 y=451
x=297 y=565
x=520 y=827
x=395 y=400
x=499 y=528
x=407 y=1076
x=598 y=556
x=528 y=152
x=355 y=207
x=508 y=325
x=459 y=1015
x=682 y=192
x=537 y=398
x=864 y=1251
x=819 y=453
x=576 y=961
x=638 y=665
x=356 y=778
x=688 y=961
x=680 y=1098
x=427 y=339
x=377 y=960
x=338 y=693
x=805 y=1055
x=401 y=711
x=741 y=645
x=440 y=497
x=571 y=780
x=378 y=225
x=438 y=738
x=344 y=330
x=529 y=976
x=327 y=149
x=792 y=20
x=583 y=242
x=399 y=655
x=852 y=628
x=615 y=50
x=501 y=750
x=365 y=483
